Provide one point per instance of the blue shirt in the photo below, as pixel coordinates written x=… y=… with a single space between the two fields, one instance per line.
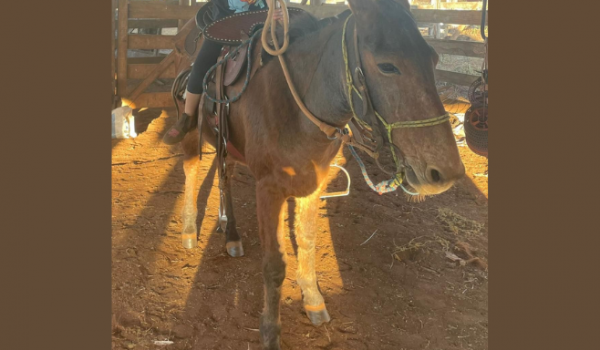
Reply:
x=242 y=6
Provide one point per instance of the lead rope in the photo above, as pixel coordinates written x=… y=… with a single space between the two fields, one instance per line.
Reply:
x=384 y=186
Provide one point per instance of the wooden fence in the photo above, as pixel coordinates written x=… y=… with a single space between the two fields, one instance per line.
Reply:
x=139 y=79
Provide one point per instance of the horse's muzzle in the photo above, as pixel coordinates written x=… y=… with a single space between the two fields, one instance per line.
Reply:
x=433 y=180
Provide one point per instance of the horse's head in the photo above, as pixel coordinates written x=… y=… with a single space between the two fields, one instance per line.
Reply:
x=398 y=65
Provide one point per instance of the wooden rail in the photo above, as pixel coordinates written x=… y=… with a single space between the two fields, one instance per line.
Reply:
x=454 y=77
x=141 y=71
x=168 y=14
x=113 y=63
x=141 y=42
x=458 y=48
x=175 y=57
x=161 y=10
x=152 y=23
x=448 y=16
x=122 y=48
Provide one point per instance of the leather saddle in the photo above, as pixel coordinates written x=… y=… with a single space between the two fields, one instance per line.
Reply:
x=232 y=31
x=235 y=63
x=227 y=30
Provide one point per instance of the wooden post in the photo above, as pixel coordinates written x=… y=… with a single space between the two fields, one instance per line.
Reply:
x=122 y=48
x=164 y=64
x=113 y=67
x=161 y=67
x=183 y=3
x=436 y=26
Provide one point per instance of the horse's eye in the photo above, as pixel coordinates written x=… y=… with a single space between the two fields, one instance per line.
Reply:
x=388 y=68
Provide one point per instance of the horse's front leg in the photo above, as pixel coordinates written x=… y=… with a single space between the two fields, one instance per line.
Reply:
x=269 y=202
x=189 y=238
x=306 y=231
x=234 y=242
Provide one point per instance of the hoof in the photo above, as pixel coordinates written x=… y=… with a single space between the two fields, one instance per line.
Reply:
x=317 y=314
x=235 y=249
x=189 y=240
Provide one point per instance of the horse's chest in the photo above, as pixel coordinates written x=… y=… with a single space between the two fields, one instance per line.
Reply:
x=295 y=179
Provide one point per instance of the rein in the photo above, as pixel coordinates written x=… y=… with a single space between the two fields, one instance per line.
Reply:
x=332 y=132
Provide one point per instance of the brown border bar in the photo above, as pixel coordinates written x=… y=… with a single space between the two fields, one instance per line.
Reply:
x=55 y=187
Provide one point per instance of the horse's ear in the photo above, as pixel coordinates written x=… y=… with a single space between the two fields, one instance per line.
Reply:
x=363 y=10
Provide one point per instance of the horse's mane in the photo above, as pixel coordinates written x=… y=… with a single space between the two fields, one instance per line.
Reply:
x=305 y=24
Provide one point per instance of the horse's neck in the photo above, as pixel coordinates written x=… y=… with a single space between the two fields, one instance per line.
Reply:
x=316 y=64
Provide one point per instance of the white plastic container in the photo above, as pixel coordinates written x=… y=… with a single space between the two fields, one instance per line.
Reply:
x=123 y=126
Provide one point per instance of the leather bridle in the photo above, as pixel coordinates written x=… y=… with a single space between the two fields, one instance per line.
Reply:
x=367 y=128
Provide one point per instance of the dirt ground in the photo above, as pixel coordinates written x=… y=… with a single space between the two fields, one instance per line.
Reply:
x=420 y=282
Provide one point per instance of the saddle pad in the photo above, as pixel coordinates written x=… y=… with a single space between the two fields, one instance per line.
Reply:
x=227 y=30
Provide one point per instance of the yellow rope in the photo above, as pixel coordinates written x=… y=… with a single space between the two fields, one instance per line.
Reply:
x=349 y=81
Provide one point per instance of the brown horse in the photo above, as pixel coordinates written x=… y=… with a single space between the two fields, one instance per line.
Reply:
x=289 y=156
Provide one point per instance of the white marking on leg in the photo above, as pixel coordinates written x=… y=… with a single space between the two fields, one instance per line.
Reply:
x=306 y=232
x=190 y=211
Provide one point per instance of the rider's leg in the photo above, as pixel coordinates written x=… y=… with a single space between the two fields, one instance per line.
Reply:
x=207 y=57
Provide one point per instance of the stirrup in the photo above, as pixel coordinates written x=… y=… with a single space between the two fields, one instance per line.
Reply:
x=340 y=193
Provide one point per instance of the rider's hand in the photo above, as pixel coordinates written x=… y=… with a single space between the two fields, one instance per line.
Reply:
x=278 y=14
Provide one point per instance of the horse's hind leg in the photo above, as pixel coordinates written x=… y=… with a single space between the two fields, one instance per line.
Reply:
x=191 y=164
x=234 y=242
x=306 y=230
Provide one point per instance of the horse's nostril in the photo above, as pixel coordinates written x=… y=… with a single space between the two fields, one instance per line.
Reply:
x=435 y=176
